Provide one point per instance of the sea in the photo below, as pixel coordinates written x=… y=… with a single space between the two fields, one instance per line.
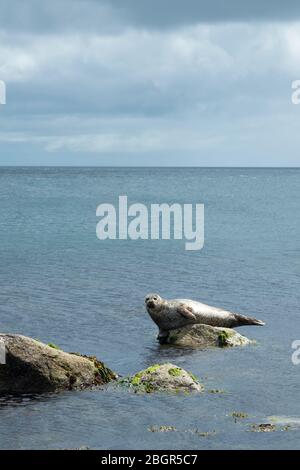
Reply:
x=59 y=283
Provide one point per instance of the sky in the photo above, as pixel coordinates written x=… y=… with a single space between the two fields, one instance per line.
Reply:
x=139 y=82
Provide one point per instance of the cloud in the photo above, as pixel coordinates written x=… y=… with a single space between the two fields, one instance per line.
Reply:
x=57 y=16
x=114 y=15
x=115 y=83
x=147 y=73
x=158 y=14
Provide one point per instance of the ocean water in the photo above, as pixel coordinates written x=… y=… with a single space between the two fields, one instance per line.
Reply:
x=60 y=284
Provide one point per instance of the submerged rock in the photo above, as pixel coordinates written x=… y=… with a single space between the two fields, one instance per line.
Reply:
x=264 y=427
x=286 y=421
x=205 y=336
x=34 y=367
x=164 y=378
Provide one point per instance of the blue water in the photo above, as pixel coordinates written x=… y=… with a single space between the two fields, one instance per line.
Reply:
x=60 y=284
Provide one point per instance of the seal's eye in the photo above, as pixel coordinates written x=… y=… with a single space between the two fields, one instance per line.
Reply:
x=146 y=299
x=154 y=298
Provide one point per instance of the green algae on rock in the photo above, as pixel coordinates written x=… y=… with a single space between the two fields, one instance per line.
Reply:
x=163 y=378
x=175 y=372
x=239 y=415
x=52 y=345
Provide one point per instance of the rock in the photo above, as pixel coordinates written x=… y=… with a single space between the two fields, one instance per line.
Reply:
x=205 y=336
x=264 y=427
x=34 y=367
x=77 y=448
x=164 y=378
x=162 y=429
x=286 y=421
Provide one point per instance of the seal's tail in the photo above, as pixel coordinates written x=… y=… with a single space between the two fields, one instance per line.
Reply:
x=241 y=320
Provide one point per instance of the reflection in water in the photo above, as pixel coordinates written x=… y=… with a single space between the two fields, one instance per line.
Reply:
x=26 y=398
x=167 y=353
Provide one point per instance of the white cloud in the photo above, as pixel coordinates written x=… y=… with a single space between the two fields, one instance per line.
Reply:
x=190 y=89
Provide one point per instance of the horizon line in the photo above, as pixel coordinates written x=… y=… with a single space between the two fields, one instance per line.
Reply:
x=153 y=166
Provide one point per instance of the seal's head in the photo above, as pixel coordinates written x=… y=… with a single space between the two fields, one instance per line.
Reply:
x=153 y=301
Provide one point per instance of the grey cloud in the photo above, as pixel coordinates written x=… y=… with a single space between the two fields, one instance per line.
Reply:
x=158 y=13
x=140 y=81
x=36 y=16
x=149 y=73
x=115 y=15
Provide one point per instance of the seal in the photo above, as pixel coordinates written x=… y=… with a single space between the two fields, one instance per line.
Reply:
x=172 y=314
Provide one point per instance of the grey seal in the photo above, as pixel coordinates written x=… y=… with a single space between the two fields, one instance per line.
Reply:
x=172 y=314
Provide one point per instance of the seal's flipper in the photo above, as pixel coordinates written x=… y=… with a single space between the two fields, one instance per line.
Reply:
x=186 y=312
x=163 y=336
x=240 y=320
